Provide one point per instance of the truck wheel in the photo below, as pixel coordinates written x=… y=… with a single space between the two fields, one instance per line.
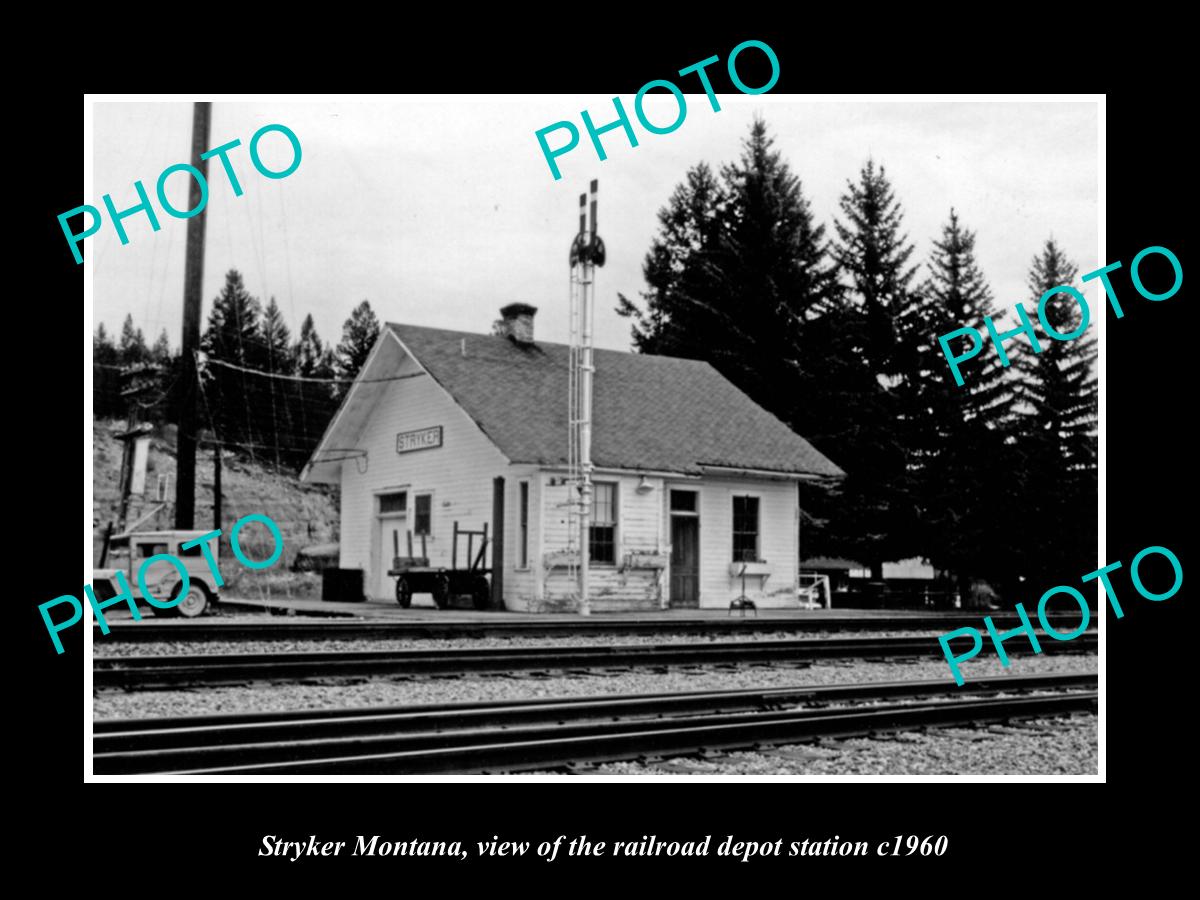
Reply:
x=441 y=591
x=481 y=594
x=403 y=592
x=193 y=604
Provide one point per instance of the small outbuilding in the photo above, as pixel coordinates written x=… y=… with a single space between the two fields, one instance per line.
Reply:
x=695 y=485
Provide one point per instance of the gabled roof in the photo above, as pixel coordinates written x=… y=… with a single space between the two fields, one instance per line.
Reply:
x=652 y=413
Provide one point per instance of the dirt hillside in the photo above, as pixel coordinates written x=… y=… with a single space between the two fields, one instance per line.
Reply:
x=306 y=514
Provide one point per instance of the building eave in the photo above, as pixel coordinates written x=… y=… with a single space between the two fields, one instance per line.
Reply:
x=323 y=446
x=762 y=473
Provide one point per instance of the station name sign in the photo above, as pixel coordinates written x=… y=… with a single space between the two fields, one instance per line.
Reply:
x=425 y=438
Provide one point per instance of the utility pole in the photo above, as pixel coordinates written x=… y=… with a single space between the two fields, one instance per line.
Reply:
x=193 y=283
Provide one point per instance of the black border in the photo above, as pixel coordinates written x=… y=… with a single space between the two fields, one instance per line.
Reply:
x=211 y=838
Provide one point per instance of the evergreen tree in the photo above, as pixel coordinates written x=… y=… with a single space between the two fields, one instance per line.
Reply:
x=772 y=282
x=170 y=375
x=280 y=430
x=234 y=400
x=234 y=331
x=678 y=317
x=132 y=346
x=313 y=360
x=737 y=276
x=873 y=256
x=875 y=518
x=327 y=368
x=1056 y=431
x=359 y=334
x=161 y=351
x=277 y=341
x=104 y=351
x=312 y=404
x=106 y=382
x=960 y=451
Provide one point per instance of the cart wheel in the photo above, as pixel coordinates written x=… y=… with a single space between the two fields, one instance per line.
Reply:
x=481 y=594
x=403 y=592
x=441 y=591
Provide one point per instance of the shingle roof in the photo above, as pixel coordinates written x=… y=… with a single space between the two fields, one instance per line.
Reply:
x=650 y=412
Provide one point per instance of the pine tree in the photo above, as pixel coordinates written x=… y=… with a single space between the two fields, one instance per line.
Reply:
x=676 y=321
x=280 y=430
x=359 y=334
x=106 y=382
x=277 y=341
x=737 y=274
x=959 y=448
x=234 y=331
x=161 y=351
x=773 y=282
x=313 y=403
x=327 y=366
x=170 y=365
x=874 y=518
x=313 y=360
x=873 y=256
x=232 y=399
x=1056 y=431
x=132 y=345
x=104 y=352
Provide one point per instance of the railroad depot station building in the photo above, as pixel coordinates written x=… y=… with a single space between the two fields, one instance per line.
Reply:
x=693 y=482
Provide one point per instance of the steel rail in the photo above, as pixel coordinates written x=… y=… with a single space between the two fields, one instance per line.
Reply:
x=558 y=732
x=166 y=671
x=230 y=629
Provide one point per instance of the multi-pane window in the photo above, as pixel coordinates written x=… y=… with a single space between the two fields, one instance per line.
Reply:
x=602 y=537
x=745 y=529
x=523 y=526
x=422 y=514
x=393 y=503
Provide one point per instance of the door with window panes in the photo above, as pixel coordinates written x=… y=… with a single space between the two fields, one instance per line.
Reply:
x=685 y=549
x=392 y=516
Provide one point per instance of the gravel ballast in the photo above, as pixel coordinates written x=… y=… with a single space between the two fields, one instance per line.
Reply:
x=385 y=692
x=105 y=648
x=1052 y=746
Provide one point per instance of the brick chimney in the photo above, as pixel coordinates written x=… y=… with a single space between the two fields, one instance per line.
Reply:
x=516 y=322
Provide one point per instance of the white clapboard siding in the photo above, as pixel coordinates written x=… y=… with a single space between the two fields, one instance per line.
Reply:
x=458 y=474
x=778 y=516
x=612 y=586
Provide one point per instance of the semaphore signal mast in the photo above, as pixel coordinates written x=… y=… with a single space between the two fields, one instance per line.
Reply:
x=587 y=253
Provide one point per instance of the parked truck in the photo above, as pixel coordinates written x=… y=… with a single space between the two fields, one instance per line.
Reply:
x=163 y=579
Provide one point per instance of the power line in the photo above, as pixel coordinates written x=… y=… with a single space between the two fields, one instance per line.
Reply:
x=211 y=361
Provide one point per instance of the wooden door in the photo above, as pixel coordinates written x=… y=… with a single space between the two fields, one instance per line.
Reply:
x=685 y=562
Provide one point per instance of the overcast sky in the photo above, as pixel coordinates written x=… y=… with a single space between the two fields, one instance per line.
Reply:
x=441 y=210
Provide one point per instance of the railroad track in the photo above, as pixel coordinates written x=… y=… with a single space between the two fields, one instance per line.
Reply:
x=167 y=671
x=562 y=733
x=230 y=629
